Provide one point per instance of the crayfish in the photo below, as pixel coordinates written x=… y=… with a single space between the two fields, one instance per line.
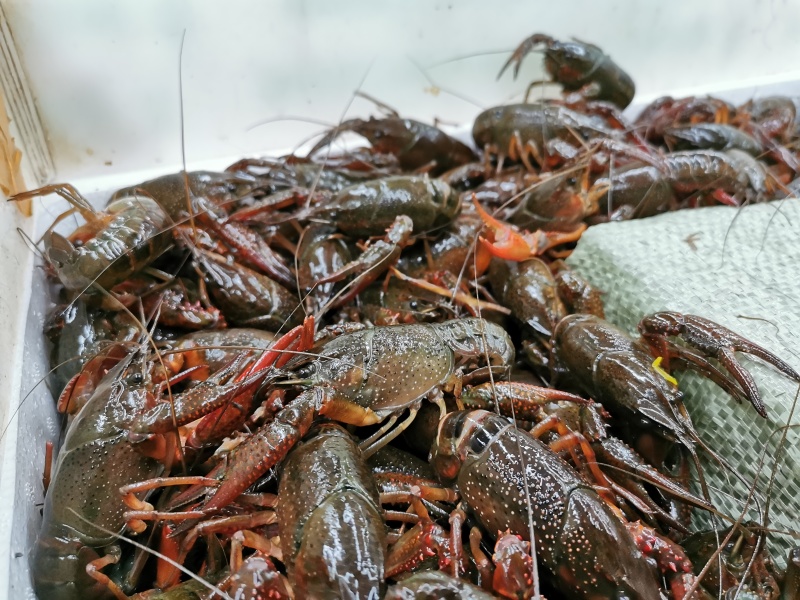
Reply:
x=422 y=285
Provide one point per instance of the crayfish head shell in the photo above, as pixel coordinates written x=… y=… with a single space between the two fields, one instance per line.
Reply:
x=445 y=457
x=462 y=434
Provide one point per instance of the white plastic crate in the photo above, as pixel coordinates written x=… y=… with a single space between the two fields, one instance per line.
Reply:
x=105 y=80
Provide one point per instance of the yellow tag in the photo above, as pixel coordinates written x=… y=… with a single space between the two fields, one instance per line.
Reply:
x=662 y=372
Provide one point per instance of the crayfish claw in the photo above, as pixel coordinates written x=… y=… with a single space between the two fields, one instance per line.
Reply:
x=692 y=359
x=714 y=341
x=526 y=47
x=743 y=377
x=748 y=347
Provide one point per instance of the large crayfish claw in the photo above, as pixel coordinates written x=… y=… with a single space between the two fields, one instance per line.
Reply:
x=714 y=341
x=506 y=242
x=526 y=47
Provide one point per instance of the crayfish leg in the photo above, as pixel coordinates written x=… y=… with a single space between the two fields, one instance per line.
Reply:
x=572 y=441
x=245 y=538
x=268 y=446
x=230 y=525
x=67 y=192
x=167 y=574
x=144 y=511
x=456 y=520
x=473 y=305
x=482 y=562
x=94 y=570
x=371 y=449
x=423 y=540
x=256 y=577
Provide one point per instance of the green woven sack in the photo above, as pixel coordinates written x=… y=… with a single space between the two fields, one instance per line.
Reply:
x=741 y=268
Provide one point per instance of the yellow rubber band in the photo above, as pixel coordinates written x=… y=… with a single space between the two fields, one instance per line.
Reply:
x=662 y=372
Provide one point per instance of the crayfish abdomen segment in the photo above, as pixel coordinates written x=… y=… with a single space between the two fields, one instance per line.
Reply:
x=87 y=493
x=332 y=533
x=60 y=567
x=344 y=519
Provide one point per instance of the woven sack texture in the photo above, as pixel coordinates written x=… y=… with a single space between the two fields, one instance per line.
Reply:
x=741 y=268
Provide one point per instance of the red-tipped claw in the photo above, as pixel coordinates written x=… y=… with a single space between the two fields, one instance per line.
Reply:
x=505 y=241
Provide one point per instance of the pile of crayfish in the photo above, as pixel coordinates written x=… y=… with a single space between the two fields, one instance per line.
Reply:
x=370 y=374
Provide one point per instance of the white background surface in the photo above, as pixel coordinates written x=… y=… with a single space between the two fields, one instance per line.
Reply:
x=105 y=78
x=105 y=73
